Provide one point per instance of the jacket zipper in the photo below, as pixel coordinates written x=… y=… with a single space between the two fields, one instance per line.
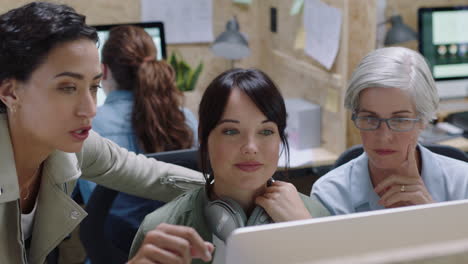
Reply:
x=21 y=238
x=182 y=183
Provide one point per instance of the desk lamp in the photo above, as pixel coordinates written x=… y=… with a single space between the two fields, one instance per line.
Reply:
x=231 y=44
x=399 y=32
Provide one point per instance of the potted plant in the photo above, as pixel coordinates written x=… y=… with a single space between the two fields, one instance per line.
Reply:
x=186 y=77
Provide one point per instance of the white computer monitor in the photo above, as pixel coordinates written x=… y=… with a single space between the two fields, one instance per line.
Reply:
x=446 y=252
x=345 y=236
x=443 y=41
x=154 y=29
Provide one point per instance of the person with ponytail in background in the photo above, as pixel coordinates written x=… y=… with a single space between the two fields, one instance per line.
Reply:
x=143 y=113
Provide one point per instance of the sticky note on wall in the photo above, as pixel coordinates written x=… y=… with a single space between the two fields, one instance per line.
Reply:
x=299 y=42
x=296 y=7
x=247 y=2
x=332 y=102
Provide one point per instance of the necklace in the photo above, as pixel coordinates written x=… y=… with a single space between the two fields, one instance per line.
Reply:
x=28 y=185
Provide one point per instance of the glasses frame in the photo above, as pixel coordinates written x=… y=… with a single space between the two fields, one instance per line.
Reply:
x=354 y=117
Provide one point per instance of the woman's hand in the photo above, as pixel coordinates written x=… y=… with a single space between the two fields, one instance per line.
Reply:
x=172 y=244
x=282 y=202
x=405 y=186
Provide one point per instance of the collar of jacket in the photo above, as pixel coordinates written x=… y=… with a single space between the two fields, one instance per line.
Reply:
x=60 y=167
x=57 y=214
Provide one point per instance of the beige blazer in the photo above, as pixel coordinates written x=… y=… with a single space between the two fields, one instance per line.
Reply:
x=101 y=161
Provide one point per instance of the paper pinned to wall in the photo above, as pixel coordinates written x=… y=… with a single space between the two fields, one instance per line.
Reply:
x=323 y=26
x=185 y=21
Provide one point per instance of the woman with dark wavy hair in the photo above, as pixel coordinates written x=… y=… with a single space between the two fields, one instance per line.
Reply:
x=49 y=75
x=143 y=113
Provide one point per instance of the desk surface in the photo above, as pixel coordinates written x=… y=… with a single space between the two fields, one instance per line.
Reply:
x=307 y=158
x=458 y=142
x=447 y=107
x=323 y=157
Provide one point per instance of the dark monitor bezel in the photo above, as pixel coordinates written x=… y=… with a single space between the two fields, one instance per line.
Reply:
x=423 y=10
x=187 y=158
x=153 y=24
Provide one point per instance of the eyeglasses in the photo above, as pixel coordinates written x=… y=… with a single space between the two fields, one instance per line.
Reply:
x=396 y=124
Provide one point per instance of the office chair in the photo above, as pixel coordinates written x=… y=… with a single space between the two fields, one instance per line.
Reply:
x=99 y=247
x=355 y=151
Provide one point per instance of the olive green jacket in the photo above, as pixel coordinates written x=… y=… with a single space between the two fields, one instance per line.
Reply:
x=101 y=161
x=188 y=210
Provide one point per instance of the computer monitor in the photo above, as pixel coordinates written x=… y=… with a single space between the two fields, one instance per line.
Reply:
x=443 y=41
x=346 y=236
x=154 y=29
x=187 y=158
x=446 y=252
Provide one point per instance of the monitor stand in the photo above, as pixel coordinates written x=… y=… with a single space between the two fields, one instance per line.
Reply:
x=452 y=88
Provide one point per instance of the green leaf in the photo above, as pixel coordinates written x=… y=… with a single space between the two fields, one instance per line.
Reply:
x=194 y=77
x=173 y=61
x=186 y=78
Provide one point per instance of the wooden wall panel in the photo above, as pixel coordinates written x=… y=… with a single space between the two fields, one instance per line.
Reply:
x=120 y=11
x=362 y=39
x=297 y=74
x=213 y=65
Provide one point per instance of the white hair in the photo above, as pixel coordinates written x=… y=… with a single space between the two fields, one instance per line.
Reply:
x=396 y=67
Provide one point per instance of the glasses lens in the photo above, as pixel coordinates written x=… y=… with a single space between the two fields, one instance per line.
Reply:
x=401 y=124
x=366 y=123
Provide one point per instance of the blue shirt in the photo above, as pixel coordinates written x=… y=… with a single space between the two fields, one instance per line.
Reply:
x=348 y=188
x=113 y=121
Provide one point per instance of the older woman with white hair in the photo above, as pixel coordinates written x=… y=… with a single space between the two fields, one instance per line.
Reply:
x=392 y=96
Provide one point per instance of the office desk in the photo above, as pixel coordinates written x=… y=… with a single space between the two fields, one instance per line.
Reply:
x=307 y=158
x=320 y=157
x=450 y=106
x=306 y=166
x=458 y=142
x=322 y=160
x=447 y=107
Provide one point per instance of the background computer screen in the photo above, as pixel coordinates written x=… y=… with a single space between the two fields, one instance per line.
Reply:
x=154 y=29
x=443 y=41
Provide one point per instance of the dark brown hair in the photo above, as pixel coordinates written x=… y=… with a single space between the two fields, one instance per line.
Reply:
x=28 y=33
x=157 y=118
x=259 y=88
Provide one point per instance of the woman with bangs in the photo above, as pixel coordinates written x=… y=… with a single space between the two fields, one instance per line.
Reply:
x=242 y=121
